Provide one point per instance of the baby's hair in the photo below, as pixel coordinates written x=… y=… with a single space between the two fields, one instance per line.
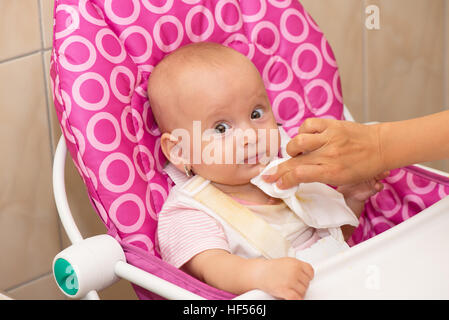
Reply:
x=191 y=57
x=209 y=53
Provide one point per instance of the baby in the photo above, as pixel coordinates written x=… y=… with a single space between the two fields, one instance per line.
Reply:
x=221 y=89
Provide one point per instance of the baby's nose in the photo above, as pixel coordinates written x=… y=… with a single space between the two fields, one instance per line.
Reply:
x=250 y=137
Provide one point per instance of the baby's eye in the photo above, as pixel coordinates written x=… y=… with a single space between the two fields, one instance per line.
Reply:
x=257 y=113
x=221 y=127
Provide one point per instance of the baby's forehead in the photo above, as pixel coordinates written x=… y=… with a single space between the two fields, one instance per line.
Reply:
x=202 y=65
x=204 y=56
x=199 y=74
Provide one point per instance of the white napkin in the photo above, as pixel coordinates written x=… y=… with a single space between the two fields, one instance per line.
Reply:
x=317 y=204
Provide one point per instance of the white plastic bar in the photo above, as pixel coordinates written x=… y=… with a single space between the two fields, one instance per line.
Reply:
x=62 y=204
x=3 y=297
x=92 y=295
x=347 y=114
x=436 y=171
x=60 y=195
x=152 y=283
x=169 y=290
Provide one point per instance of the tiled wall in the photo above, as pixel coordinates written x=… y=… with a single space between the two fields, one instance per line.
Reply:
x=397 y=72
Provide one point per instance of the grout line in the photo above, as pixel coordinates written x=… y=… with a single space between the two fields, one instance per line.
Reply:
x=20 y=56
x=27 y=282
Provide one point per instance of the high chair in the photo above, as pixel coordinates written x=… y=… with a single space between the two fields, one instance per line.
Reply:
x=104 y=52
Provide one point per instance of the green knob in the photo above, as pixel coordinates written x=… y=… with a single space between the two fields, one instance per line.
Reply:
x=66 y=276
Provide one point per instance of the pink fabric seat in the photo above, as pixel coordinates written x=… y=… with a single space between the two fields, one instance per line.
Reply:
x=104 y=52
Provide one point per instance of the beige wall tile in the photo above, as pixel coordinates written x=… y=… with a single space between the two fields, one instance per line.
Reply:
x=19 y=27
x=47 y=21
x=29 y=234
x=405 y=59
x=44 y=288
x=340 y=21
x=121 y=290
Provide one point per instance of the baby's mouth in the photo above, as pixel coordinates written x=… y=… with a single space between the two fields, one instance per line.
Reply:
x=256 y=159
x=252 y=160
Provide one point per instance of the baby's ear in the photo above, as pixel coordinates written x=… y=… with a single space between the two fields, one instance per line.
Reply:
x=174 y=150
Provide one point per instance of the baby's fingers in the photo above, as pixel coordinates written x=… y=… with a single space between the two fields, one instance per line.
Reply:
x=296 y=292
x=382 y=175
x=292 y=295
x=308 y=270
x=379 y=186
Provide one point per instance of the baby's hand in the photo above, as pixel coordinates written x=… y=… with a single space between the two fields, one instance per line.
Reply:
x=286 y=278
x=364 y=190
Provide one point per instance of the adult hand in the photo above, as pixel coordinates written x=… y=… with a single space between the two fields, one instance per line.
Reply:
x=332 y=152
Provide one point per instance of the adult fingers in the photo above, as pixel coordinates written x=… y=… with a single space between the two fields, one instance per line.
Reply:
x=382 y=175
x=275 y=173
x=303 y=143
x=314 y=125
x=301 y=174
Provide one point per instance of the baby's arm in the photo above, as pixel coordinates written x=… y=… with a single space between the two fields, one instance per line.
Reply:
x=286 y=278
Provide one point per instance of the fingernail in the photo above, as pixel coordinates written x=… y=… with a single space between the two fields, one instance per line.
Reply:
x=279 y=183
x=266 y=177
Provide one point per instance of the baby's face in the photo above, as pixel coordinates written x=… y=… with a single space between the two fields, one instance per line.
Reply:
x=232 y=129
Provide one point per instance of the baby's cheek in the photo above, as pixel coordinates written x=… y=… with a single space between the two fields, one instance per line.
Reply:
x=213 y=152
x=220 y=173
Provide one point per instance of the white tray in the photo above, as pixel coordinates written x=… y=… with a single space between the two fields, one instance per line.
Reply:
x=409 y=261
